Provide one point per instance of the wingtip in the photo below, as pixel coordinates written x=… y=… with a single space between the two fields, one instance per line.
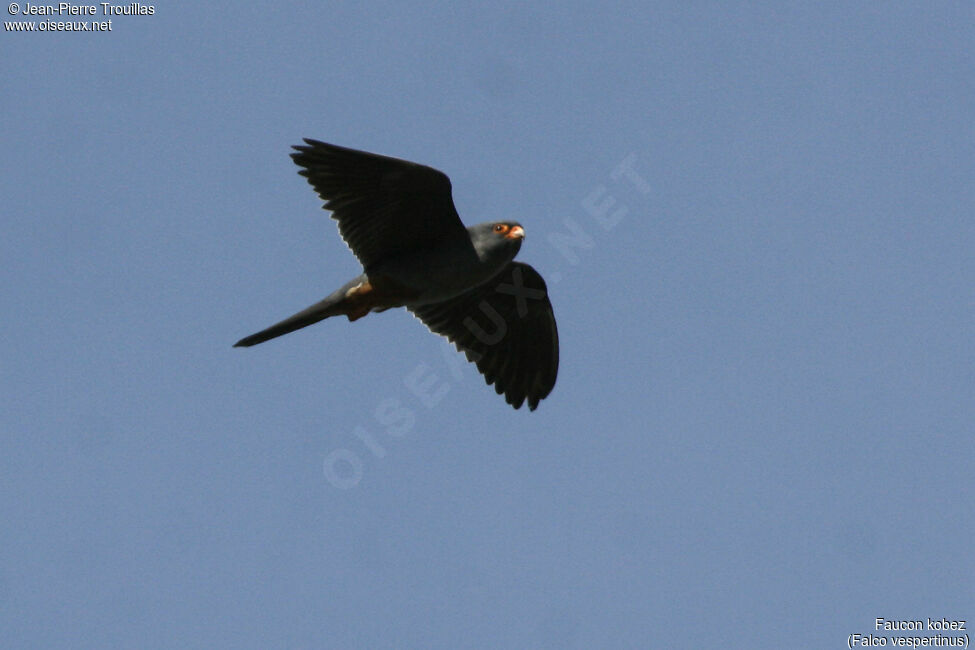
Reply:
x=309 y=144
x=300 y=149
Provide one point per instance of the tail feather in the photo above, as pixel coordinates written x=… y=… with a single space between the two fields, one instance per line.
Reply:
x=321 y=310
x=304 y=318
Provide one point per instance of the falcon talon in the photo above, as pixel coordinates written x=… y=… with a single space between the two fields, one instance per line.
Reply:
x=398 y=218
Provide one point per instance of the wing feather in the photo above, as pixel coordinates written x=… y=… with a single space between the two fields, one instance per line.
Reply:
x=384 y=206
x=515 y=346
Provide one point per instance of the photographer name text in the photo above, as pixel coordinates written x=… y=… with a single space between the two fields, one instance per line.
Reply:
x=100 y=9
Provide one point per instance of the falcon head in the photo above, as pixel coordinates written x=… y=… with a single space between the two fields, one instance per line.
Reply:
x=497 y=241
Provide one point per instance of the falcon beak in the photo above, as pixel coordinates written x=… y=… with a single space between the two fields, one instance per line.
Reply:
x=516 y=233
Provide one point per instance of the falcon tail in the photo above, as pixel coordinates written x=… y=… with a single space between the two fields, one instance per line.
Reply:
x=336 y=304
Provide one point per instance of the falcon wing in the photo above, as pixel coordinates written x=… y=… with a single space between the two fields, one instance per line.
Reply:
x=384 y=206
x=506 y=326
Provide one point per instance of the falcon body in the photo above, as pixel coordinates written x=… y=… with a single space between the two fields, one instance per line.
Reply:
x=399 y=219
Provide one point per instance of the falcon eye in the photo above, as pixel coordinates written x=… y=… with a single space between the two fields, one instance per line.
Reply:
x=500 y=227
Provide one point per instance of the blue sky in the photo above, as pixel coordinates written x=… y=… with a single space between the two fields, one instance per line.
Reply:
x=761 y=434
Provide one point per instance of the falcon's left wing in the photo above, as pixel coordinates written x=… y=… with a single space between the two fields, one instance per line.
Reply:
x=506 y=326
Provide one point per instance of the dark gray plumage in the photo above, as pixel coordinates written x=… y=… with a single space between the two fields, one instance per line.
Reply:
x=399 y=220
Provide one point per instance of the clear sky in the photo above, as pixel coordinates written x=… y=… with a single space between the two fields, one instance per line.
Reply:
x=762 y=431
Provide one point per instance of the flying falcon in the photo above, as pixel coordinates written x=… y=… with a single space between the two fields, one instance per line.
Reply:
x=399 y=220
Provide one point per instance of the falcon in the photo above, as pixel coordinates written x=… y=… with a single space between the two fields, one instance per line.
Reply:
x=398 y=218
